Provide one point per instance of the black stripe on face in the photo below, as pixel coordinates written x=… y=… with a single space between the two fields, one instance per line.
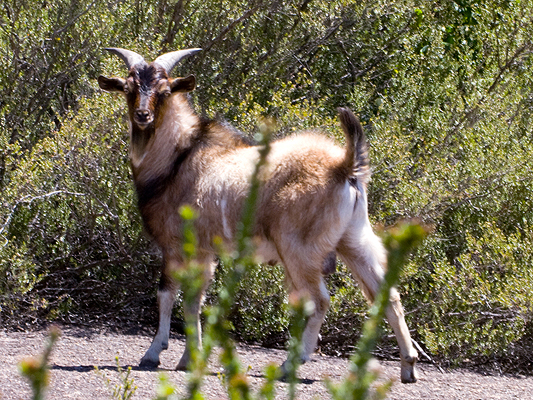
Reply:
x=142 y=84
x=148 y=75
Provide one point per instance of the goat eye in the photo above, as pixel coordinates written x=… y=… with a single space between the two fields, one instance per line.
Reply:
x=128 y=88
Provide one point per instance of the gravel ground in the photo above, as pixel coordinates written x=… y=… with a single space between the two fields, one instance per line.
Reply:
x=79 y=350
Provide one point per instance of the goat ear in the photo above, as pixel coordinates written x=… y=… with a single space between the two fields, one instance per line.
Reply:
x=111 y=84
x=183 y=84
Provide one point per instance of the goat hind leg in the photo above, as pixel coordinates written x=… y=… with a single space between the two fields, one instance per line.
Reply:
x=321 y=300
x=408 y=354
x=364 y=254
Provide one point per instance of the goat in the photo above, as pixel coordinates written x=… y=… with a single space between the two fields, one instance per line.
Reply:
x=312 y=205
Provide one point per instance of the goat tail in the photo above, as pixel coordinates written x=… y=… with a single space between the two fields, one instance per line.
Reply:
x=356 y=162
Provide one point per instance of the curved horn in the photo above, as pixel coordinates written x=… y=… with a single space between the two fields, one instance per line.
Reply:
x=129 y=57
x=169 y=60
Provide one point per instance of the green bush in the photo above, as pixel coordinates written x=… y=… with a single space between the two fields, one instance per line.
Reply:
x=72 y=235
x=480 y=306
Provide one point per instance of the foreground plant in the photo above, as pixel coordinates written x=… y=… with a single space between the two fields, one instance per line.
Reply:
x=125 y=389
x=399 y=242
x=36 y=369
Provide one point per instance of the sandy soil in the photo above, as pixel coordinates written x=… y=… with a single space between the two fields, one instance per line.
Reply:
x=79 y=350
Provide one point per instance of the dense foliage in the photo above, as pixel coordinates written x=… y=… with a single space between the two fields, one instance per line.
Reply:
x=444 y=89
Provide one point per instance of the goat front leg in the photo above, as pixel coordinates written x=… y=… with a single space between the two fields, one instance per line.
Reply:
x=309 y=284
x=192 y=316
x=191 y=311
x=166 y=296
x=165 y=299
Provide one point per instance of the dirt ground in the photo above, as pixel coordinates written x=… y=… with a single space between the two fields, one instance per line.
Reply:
x=79 y=350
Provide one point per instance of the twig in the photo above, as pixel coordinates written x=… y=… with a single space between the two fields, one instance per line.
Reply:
x=73 y=20
x=29 y=200
x=421 y=351
x=232 y=25
x=523 y=50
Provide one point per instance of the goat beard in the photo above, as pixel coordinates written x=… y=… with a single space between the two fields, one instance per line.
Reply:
x=139 y=141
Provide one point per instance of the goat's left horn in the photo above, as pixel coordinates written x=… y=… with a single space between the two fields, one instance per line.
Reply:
x=169 y=60
x=129 y=57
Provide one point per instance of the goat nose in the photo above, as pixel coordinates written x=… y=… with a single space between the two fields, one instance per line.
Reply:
x=142 y=115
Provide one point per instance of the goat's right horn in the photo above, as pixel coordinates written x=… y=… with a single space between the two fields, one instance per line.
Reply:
x=129 y=57
x=169 y=60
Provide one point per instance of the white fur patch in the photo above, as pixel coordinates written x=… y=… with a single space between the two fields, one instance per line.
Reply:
x=225 y=225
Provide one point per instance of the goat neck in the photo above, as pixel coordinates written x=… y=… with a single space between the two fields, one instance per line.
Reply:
x=154 y=150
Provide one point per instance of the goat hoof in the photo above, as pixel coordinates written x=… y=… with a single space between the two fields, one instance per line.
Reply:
x=284 y=369
x=183 y=363
x=180 y=368
x=283 y=374
x=409 y=373
x=412 y=378
x=148 y=364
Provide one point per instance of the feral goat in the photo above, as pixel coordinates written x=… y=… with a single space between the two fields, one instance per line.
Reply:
x=312 y=204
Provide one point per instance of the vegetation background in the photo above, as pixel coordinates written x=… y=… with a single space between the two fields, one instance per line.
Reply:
x=444 y=89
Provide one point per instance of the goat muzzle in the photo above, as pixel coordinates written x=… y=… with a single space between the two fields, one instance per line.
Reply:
x=143 y=118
